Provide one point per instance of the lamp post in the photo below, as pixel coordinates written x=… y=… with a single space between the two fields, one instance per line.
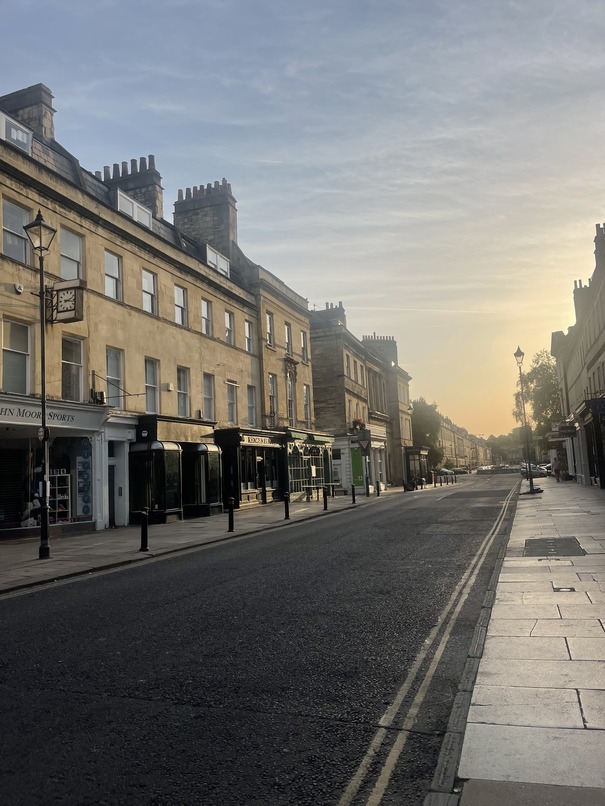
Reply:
x=519 y=356
x=41 y=236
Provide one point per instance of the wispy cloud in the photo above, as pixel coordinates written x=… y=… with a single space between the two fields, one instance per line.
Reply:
x=432 y=165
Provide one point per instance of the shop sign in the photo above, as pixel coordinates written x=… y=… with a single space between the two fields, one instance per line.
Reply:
x=181 y=431
x=265 y=442
x=28 y=414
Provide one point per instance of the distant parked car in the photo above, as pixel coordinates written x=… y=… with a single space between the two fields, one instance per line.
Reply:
x=443 y=471
x=461 y=471
x=536 y=471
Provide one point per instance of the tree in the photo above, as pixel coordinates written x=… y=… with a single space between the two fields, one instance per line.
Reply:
x=504 y=448
x=541 y=388
x=426 y=429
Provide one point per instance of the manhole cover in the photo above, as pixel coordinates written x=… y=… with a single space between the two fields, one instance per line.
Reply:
x=552 y=546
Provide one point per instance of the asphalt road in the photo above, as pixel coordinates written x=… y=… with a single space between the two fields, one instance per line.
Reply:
x=257 y=671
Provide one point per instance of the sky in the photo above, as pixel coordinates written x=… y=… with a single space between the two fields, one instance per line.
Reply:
x=433 y=164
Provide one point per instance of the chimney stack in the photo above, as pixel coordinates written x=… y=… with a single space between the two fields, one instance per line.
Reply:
x=142 y=182
x=208 y=214
x=32 y=107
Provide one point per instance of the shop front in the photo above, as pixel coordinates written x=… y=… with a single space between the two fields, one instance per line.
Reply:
x=378 y=470
x=360 y=460
x=591 y=417
x=351 y=464
x=309 y=462
x=156 y=481
x=253 y=465
x=417 y=467
x=259 y=466
x=75 y=490
x=175 y=470
x=201 y=480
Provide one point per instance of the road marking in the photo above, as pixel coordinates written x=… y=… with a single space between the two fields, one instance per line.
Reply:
x=449 y=614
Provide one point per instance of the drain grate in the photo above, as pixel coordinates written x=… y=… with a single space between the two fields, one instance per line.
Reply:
x=553 y=546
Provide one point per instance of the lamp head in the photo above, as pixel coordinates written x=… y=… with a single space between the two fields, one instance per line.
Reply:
x=40 y=234
x=519 y=356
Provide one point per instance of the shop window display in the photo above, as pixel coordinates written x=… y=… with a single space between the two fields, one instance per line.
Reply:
x=70 y=481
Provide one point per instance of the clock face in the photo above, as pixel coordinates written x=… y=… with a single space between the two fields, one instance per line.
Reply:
x=66 y=299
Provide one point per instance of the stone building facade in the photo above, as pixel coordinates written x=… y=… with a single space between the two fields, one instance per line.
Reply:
x=580 y=356
x=461 y=449
x=361 y=393
x=165 y=388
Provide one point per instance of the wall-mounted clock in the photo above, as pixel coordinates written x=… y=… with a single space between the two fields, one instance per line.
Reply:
x=68 y=301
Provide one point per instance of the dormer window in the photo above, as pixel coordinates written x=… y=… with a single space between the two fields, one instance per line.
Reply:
x=217 y=261
x=131 y=208
x=15 y=133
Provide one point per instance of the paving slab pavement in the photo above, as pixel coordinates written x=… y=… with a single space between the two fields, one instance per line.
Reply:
x=535 y=730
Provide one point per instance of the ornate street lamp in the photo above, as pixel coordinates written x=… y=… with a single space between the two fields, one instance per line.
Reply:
x=41 y=236
x=519 y=356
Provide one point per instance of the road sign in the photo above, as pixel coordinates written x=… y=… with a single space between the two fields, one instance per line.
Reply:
x=41 y=434
x=364 y=444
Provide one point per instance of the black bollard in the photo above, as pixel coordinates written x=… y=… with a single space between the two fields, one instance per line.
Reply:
x=230 y=506
x=325 y=494
x=377 y=489
x=144 y=529
x=287 y=506
x=353 y=493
